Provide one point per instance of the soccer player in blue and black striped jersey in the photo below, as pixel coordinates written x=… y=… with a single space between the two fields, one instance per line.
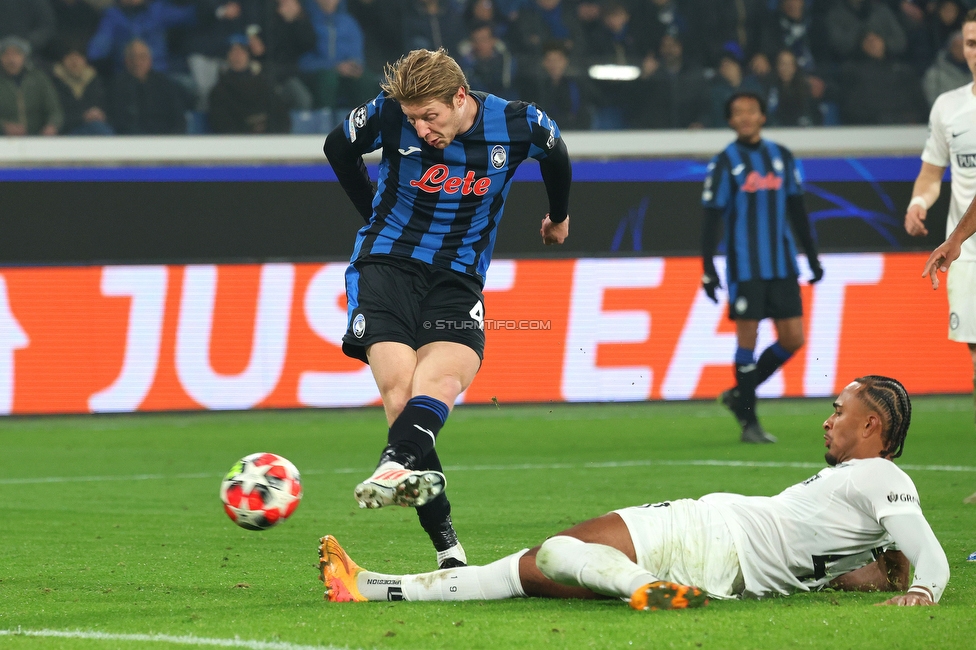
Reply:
x=416 y=311
x=751 y=188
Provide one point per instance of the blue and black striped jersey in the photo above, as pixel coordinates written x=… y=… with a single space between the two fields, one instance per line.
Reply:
x=750 y=186
x=443 y=206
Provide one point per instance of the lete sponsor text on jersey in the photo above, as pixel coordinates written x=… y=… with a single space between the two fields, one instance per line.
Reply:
x=755 y=182
x=438 y=178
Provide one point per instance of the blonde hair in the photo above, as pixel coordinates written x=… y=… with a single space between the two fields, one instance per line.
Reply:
x=421 y=75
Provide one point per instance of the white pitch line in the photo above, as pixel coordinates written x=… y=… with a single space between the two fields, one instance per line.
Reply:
x=166 y=638
x=492 y=468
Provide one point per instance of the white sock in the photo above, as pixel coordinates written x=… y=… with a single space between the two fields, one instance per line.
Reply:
x=597 y=567
x=494 y=581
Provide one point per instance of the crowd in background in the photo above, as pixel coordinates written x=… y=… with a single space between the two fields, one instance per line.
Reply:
x=101 y=67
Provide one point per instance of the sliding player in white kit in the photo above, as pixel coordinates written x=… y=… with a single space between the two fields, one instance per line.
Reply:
x=952 y=142
x=855 y=525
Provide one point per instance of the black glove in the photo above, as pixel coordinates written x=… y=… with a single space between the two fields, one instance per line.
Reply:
x=710 y=283
x=817 y=271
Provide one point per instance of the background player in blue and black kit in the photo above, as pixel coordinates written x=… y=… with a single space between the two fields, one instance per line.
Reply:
x=416 y=311
x=751 y=188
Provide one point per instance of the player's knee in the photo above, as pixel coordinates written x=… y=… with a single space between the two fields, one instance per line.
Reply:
x=394 y=400
x=793 y=343
x=555 y=559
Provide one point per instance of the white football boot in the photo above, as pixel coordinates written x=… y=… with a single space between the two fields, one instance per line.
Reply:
x=392 y=484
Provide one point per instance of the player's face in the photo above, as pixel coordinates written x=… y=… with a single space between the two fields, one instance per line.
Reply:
x=436 y=123
x=844 y=429
x=969 y=46
x=746 y=118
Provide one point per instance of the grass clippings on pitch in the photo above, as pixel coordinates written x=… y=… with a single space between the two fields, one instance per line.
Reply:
x=112 y=536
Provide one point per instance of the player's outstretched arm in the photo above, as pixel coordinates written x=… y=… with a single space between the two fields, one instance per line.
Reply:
x=949 y=251
x=709 y=241
x=802 y=228
x=913 y=535
x=890 y=572
x=557 y=174
x=351 y=172
x=928 y=184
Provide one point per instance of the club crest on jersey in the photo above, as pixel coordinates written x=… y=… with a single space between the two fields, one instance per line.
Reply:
x=498 y=156
x=777 y=164
x=359 y=326
x=438 y=178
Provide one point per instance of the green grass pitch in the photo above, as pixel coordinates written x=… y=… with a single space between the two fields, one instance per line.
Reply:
x=112 y=525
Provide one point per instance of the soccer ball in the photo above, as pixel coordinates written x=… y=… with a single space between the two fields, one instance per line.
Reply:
x=260 y=491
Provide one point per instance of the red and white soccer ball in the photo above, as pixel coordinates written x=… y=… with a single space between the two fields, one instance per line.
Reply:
x=261 y=491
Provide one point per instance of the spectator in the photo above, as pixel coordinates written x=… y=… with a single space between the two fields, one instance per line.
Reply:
x=561 y=94
x=382 y=23
x=656 y=19
x=76 y=22
x=81 y=93
x=28 y=102
x=615 y=43
x=31 y=20
x=285 y=34
x=145 y=101
x=540 y=22
x=788 y=28
x=849 y=20
x=944 y=21
x=477 y=12
x=615 y=40
x=589 y=15
x=431 y=24
x=949 y=71
x=217 y=21
x=145 y=20
x=876 y=90
x=673 y=92
x=739 y=22
x=790 y=101
x=729 y=81
x=243 y=100
x=487 y=63
x=334 y=69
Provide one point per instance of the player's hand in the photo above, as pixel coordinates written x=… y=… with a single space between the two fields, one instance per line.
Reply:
x=817 y=271
x=554 y=233
x=909 y=600
x=710 y=283
x=940 y=259
x=915 y=221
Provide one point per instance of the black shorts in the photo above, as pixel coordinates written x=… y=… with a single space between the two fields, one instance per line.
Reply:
x=759 y=299
x=407 y=301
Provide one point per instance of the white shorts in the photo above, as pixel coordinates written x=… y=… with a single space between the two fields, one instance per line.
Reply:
x=961 y=287
x=687 y=542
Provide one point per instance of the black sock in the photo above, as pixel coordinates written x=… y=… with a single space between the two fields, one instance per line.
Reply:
x=435 y=516
x=770 y=361
x=412 y=436
x=745 y=383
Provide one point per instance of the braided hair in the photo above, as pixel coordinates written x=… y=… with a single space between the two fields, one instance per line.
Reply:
x=890 y=399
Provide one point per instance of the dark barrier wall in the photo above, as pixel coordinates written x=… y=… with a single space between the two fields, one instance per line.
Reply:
x=255 y=213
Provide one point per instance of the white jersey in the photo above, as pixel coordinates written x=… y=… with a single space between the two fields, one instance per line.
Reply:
x=816 y=530
x=952 y=143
